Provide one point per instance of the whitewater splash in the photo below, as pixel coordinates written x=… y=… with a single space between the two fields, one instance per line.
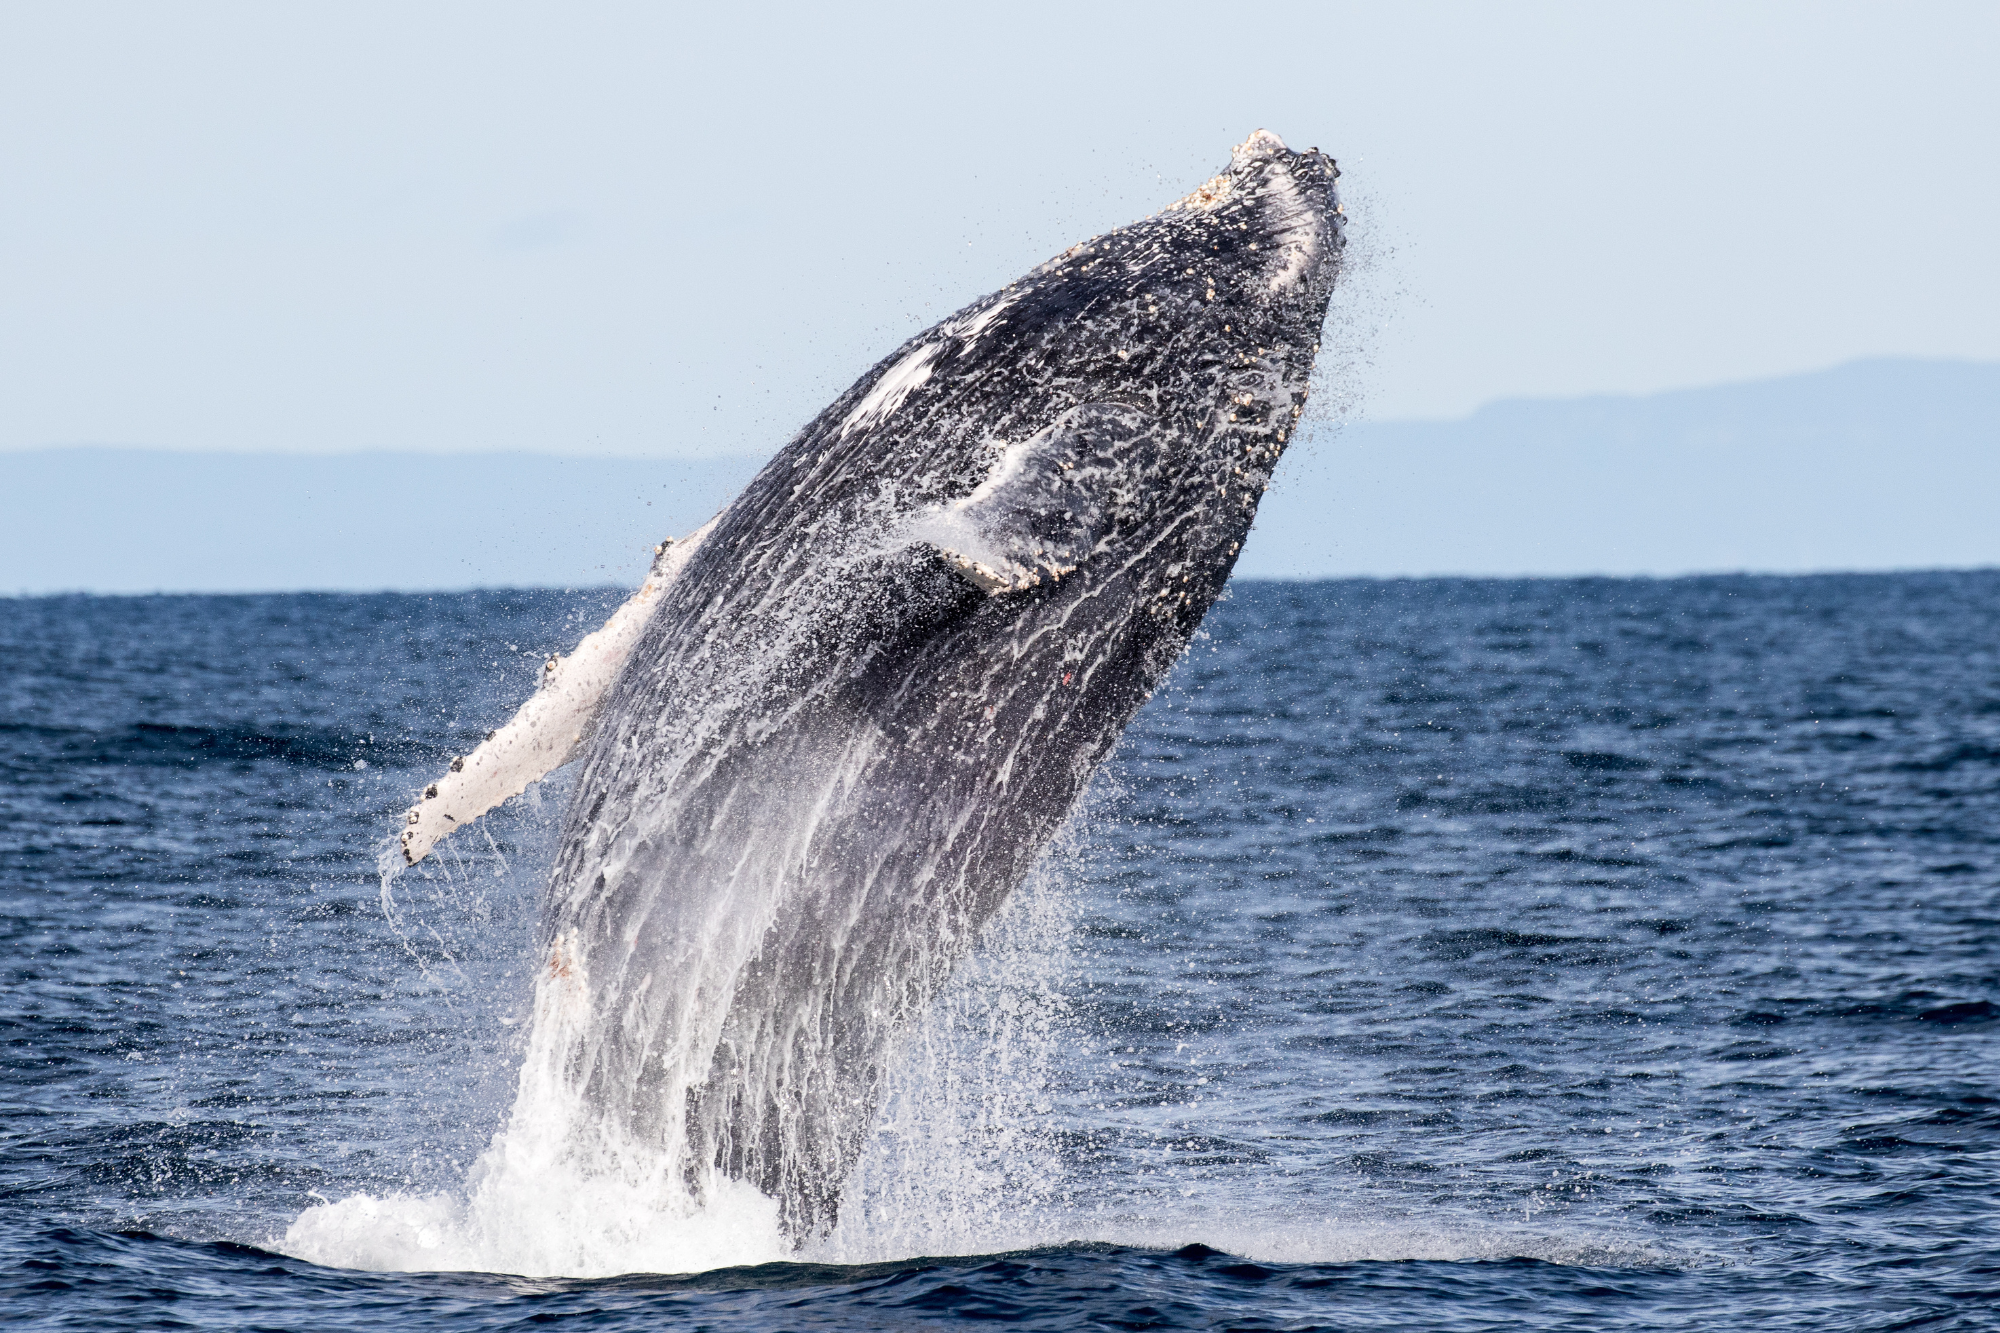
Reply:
x=960 y=1161
x=963 y=1161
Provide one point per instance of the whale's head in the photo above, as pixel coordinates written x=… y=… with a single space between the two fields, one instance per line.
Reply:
x=1132 y=394
x=1114 y=414
x=1258 y=248
x=1110 y=418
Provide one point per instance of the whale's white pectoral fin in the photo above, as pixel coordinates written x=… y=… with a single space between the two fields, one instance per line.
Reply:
x=1048 y=500
x=552 y=727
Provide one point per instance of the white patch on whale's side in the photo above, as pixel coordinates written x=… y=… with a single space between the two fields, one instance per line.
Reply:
x=970 y=331
x=896 y=384
x=1025 y=523
x=899 y=381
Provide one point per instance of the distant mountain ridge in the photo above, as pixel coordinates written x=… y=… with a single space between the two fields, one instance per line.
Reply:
x=1878 y=464
x=1898 y=392
x=1881 y=464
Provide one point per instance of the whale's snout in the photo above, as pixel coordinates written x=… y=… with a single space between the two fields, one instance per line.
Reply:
x=1261 y=144
x=1287 y=201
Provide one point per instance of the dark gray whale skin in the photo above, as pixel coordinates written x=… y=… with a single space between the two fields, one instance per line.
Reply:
x=832 y=755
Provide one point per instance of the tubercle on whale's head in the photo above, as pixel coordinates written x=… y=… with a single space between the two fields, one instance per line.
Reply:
x=1291 y=200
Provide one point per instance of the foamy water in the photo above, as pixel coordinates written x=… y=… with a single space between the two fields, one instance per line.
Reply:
x=961 y=1159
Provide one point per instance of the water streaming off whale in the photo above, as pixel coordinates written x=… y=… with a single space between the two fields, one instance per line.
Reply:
x=869 y=695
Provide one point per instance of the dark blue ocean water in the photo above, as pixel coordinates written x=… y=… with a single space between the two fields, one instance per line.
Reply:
x=1445 y=955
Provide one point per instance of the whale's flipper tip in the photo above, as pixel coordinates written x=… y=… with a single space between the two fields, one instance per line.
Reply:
x=552 y=727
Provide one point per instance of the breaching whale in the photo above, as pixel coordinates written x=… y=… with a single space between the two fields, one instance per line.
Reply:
x=837 y=725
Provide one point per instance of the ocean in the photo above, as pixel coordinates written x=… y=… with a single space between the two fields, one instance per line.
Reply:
x=1432 y=954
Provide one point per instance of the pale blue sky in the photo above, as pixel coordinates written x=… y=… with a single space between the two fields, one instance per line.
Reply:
x=643 y=229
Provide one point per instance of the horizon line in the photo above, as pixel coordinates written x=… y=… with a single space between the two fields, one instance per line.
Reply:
x=619 y=589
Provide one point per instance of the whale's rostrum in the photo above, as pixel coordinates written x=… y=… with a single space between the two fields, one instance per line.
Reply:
x=847 y=719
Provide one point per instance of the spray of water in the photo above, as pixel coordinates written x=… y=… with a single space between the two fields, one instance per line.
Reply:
x=967 y=1153
x=960 y=1161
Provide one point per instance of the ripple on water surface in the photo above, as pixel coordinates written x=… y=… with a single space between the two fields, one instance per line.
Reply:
x=1439 y=954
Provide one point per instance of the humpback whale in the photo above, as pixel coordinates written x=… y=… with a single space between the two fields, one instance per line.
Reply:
x=836 y=726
